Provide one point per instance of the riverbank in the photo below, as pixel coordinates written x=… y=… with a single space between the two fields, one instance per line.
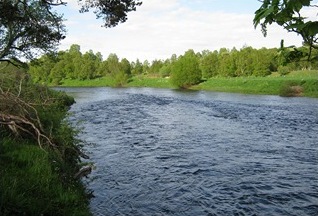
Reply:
x=31 y=185
x=39 y=151
x=296 y=83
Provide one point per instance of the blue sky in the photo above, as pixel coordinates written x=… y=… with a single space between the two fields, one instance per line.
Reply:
x=160 y=28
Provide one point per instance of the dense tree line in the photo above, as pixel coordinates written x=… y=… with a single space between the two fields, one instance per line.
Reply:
x=185 y=70
x=72 y=64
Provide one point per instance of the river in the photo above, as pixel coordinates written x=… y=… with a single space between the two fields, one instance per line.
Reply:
x=169 y=152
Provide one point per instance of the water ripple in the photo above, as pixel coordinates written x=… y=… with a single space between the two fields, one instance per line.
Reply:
x=162 y=152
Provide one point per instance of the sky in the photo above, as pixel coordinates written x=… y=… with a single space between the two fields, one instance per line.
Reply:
x=160 y=28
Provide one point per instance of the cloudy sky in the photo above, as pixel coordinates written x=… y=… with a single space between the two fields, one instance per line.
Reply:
x=160 y=28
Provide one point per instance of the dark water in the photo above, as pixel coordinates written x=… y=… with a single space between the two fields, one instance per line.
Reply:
x=165 y=152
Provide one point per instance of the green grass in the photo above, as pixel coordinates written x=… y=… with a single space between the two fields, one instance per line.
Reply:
x=305 y=74
x=30 y=185
x=150 y=82
x=140 y=81
x=99 y=82
x=271 y=85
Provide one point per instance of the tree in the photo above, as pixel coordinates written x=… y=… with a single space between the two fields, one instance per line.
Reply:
x=155 y=67
x=209 y=64
x=89 y=66
x=165 y=70
x=186 y=71
x=113 y=64
x=30 y=27
x=137 y=68
x=125 y=67
x=145 y=67
x=112 y=12
x=244 y=62
x=288 y=14
x=40 y=69
x=262 y=62
x=103 y=69
x=227 y=67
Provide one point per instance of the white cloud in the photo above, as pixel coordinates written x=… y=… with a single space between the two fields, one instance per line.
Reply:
x=160 y=28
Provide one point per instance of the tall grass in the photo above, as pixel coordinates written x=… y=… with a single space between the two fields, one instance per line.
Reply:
x=30 y=184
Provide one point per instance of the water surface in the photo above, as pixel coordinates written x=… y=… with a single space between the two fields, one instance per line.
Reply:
x=167 y=152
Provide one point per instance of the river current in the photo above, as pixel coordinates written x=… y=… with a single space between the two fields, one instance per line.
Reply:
x=168 y=152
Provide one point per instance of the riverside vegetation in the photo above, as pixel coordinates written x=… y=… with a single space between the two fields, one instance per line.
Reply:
x=39 y=154
x=283 y=71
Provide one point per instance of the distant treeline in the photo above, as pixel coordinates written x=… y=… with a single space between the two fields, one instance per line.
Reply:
x=248 y=61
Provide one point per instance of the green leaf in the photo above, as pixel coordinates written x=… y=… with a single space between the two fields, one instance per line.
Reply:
x=296 y=26
x=261 y=14
x=312 y=28
x=295 y=5
x=305 y=2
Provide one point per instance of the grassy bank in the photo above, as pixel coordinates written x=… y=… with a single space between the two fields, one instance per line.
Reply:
x=138 y=81
x=306 y=81
x=271 y=85
x=150 y=82
x=31 y=185
x=99 y=82
x=39 y=152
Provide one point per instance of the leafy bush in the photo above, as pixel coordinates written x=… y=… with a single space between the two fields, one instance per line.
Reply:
x=121 y=79
x=283 y=70
x=186 y=70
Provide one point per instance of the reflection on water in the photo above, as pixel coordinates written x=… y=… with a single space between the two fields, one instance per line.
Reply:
x=165 y=152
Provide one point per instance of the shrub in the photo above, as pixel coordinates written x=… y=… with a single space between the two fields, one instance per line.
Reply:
x=283 y=70
x=186 y=71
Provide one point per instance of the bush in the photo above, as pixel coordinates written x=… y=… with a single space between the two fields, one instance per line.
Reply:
x=121 y=79
x=186 y=71
x=283 y=70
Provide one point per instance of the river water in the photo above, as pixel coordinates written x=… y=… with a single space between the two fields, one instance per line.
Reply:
x=168 y=152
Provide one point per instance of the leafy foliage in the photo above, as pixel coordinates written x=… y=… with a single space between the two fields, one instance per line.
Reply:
x=186 y=71
x=70 y=65
x=31 y=27
x=37 y=113
x=112 y=12
x=288 y=14
x=28 y=27
x=209 y=64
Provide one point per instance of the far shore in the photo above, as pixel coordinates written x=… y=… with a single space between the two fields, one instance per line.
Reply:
x=297 y=83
